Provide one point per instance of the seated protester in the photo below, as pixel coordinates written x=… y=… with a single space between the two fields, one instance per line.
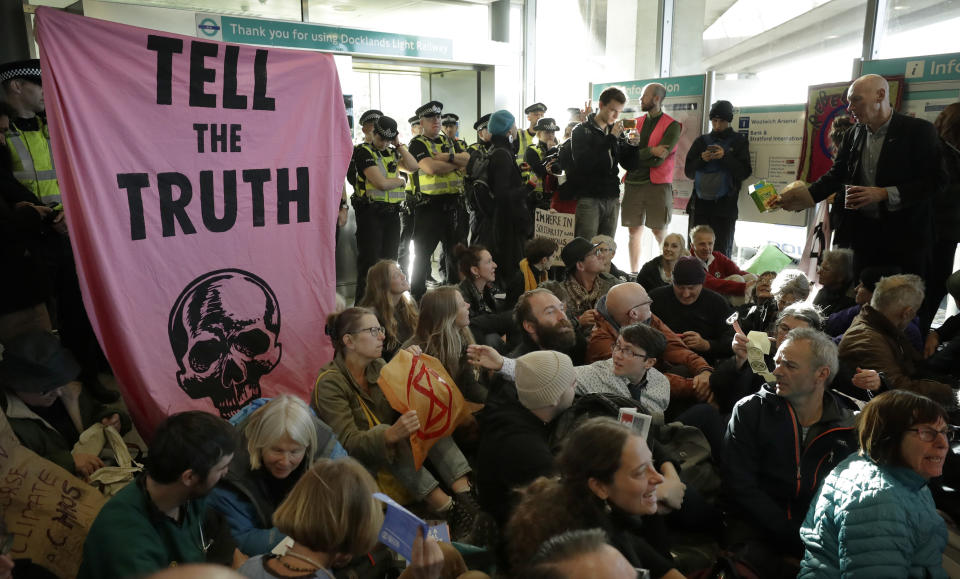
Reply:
x=649 y=390
x=544 y=324
x=608 y=479
x=735 y=379
x=627 y=304
x=279 y=441
x=348 y=398
x=332 y=517
x=583 y=283
x=544 y=384
x=388 y=295
x=575 y=554
x=442 y=332
x=839 y=322
x=534 y=267
x=45 y=405
x=698 y=315
x=875 y=339
x=779 y=445
x=788 y=287
x=607 y=250
x=658 y=271
x=629 y=371
x=836 y=276
x=478 y=272
x=157 y=521
x=874 y=515
x=723 y=276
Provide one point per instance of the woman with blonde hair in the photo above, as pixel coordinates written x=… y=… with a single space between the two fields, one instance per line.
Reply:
x=443 y=331
x=332 y=517
x=388 y=295
x=659 y=271
x=280 y=439
x=348 y=397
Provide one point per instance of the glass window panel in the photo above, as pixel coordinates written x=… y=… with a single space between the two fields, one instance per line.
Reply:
x=584 y=41
x=919 y=27
x=459 y=20
x=275 y=9
x=769 y=52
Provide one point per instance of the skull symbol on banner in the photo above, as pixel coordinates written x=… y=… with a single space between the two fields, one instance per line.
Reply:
x=224 y=330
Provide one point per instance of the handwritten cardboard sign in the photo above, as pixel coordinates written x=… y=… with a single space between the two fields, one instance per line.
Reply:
x=556 y=226
x=46 y=509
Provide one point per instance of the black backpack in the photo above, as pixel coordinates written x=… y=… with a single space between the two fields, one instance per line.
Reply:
x=476 y=186
x=568 y=190
x=589 y=406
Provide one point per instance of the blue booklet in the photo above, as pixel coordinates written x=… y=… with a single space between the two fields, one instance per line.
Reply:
x=400 y=526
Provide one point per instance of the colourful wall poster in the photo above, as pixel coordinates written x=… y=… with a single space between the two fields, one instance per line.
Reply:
x=826 y=102
x=684 y=102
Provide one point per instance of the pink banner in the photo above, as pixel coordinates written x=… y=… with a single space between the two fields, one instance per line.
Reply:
x=200 y=183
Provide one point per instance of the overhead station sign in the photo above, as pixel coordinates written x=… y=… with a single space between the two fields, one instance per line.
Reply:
x=320 y=37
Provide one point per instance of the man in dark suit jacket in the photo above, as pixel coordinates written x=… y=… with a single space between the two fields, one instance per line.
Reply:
x=885 y=175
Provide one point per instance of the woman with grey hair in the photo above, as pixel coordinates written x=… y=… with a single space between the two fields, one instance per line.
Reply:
x=734 y=378
x=786 y=288
x=836 y=277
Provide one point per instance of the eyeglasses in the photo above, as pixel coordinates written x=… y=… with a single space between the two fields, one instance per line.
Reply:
x=626 y=351
x=929 y=434
x=602 y=251
x=374 y=331
x=640 y=305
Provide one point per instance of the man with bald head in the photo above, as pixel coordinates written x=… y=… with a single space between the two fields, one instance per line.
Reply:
x=628 y=303
x=648 y=189
x=885 y=175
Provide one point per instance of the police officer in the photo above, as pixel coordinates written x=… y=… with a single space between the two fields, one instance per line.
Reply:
x=28 y=138
x=406 y=210
x=534 y=113
x=451 y=127
x=415 y=128
x=546 y=132
x=376 y=201
x=28 y=143
x=367 y=121
x=439 y=216
x=483 y=135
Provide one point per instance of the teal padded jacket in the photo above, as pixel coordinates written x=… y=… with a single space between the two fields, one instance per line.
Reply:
x=872 y=521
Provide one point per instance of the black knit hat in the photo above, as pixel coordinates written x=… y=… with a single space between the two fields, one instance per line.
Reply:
x=722 y=110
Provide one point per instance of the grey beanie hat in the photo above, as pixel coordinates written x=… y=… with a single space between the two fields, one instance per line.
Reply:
x=542 y=378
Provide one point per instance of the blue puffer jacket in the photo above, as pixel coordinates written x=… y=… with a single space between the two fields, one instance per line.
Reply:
x=872 y=521
x=241 y=496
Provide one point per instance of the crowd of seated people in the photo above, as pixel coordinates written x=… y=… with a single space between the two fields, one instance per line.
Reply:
x=802 y=418
x=780 y=401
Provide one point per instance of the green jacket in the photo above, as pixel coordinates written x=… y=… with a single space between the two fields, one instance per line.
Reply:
x=132 y=538
x=39 y=436
x=336 y=399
